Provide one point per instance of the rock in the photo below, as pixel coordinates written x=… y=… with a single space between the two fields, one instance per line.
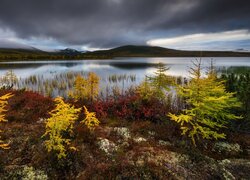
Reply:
x=227 y=148
x=123 y=131
x=107 y=146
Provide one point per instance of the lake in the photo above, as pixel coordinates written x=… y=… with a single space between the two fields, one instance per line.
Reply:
x=132 y=70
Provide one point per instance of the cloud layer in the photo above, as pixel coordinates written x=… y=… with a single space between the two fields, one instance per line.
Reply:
x=194 y=40
x=110 y=23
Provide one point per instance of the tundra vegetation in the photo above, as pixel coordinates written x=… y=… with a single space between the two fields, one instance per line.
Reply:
x=165 y=127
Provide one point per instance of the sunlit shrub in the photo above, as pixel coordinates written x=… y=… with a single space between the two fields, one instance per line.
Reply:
x=59 y=127
x=3 y=104
x=90 y=120
x=85 y=88
x=208 y=106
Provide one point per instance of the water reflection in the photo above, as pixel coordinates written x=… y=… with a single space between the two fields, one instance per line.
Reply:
x=138 y=67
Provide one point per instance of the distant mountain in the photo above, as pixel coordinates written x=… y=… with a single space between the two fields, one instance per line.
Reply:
x=69 y=51
x=154 y=51
x=23 y=52
x=30 y=53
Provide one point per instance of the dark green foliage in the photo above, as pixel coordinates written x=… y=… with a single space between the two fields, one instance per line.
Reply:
x=240 y=83
x=36 y=54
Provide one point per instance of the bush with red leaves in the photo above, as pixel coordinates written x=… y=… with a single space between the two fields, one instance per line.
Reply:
x=131 y=107
x=27 y=106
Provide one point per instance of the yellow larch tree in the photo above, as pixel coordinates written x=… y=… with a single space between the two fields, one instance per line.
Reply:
x=207 y=106
x=93 y=86
x=3 y=104
x=80 y=88
x=145 y=90
x=86 y=88
x=59 y=127
x=160 y=83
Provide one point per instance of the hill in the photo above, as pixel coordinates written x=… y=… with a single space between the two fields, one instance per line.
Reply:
x=37 y=54
x=154 y=51
x=123 y=51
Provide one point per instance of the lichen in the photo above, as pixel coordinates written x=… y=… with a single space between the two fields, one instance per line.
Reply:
x=107 y=146
x=224 y=147
x=123 y=131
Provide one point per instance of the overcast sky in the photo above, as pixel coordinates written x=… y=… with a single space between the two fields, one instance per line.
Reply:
x=101 y=24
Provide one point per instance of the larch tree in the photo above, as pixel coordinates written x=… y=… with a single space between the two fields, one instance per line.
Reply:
x=3 y=104
x=86 y=88
x=145 y=90
x=59 y=127
x=80 y=88
x=160 y=82
x=207 y=106
x=93 y=86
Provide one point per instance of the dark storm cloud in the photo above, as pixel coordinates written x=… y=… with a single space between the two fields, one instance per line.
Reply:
x=107 y=23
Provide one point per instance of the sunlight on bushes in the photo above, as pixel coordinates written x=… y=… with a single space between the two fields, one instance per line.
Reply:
x=59 y=127
x=3 y=104
x=207 y=106
x=90 y=120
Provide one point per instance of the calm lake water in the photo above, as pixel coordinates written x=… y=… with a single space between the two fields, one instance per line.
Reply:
x=137 y=67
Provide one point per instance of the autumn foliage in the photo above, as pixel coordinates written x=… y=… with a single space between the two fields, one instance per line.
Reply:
x=28 y=107
x=208 y=106
x=131 y=106
x=85 y=88
x=90 y=120
x=59 y=127
x=3 y=103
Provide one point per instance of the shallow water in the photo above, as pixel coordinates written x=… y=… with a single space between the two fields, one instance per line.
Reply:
x=136 y=67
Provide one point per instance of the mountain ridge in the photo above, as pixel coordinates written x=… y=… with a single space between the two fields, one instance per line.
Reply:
x=157 y=51
x=121 y=51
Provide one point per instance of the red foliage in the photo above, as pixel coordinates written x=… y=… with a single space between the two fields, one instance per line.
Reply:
x=27 y=106
x=131 y=107
x=100 y=108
